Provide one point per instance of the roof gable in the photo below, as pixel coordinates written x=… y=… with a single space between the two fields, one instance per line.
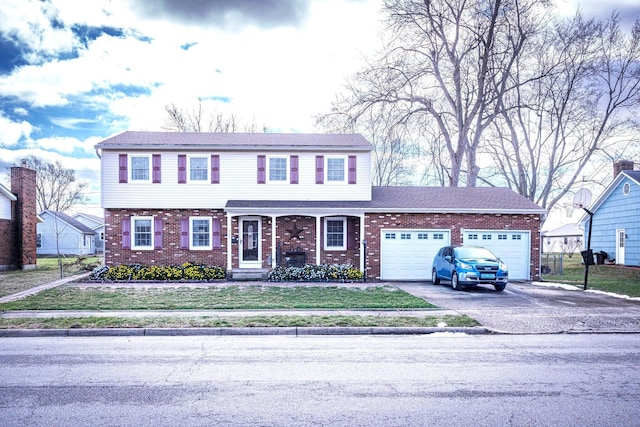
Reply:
x=235 y=141
x=632 y=176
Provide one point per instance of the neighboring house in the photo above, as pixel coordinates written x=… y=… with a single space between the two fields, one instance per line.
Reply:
x=249 y=202
x=95 y=223
x=18 y=219
x=616 y=217
x=61 y=234
x=565 y=239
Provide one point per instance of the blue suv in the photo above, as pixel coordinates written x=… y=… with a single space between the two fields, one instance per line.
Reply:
x=469 y=266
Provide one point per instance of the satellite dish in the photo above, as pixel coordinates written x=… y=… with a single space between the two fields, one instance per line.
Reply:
x=582 y=198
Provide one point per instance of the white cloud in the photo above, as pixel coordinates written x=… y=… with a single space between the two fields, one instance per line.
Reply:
x=12 y=132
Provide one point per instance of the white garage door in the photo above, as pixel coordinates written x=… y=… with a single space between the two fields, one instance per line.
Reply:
x=512 y=247
x=407 y=254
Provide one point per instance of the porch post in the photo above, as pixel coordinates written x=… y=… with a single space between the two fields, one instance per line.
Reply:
x=363 y=245
x=273 y=242
x=318 y=239
x=229 y=242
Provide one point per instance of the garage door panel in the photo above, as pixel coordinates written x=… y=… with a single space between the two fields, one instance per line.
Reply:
x=513 y=247
x=407 y=254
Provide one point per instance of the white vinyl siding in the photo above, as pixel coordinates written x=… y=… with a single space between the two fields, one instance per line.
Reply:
x=237 y=181
x=5 y=207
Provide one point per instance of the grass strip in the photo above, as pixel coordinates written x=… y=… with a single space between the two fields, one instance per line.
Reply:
x=236 y=322
x=607 y=278
x=228 y=297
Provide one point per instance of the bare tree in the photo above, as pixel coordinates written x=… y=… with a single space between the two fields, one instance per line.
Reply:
x=182 y=120
x=57 y=188
x=441 y=63
x=394 y=153
x=582 y=107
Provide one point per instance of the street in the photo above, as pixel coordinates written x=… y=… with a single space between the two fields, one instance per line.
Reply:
x=439 y=379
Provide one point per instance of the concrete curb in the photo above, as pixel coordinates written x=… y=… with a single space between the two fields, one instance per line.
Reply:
x=260 y=331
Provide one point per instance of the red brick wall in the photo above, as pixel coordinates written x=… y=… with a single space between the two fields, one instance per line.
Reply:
x=24 y=223
x=171 y=253
x=454 y=222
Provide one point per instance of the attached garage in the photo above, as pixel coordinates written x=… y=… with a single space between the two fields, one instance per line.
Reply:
x=512 y=246
x=407 y=254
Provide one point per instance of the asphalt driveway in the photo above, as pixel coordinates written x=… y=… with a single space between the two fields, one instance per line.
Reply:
x=535 y=308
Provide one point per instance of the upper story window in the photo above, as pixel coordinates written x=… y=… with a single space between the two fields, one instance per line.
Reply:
x=278 y=169
x=335 y=233
x=335 y=169
x=140 y=168
x=142 y=232
x=198 y=169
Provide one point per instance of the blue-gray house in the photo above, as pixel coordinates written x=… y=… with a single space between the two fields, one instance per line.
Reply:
x=616 y=217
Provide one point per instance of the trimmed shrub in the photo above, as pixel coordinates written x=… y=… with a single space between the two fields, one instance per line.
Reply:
x=316 y=273
x=133 y=272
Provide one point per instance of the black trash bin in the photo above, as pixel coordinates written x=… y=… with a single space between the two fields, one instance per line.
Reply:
x=587 y=257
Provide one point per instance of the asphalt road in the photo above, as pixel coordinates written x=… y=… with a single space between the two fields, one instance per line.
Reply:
x=524 y=308
x=438 y=379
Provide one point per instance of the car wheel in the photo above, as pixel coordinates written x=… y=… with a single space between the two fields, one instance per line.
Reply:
x=454 y=282
x=434 y=277
x=500 y=287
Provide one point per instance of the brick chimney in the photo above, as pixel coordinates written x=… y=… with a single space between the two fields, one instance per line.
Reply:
x=23 y=185
x=622 y=165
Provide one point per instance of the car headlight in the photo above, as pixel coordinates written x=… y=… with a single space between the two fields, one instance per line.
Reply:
x=504 y=267
x=464 y=265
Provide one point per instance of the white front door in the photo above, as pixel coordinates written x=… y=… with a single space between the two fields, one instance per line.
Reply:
x=620 y=237
x=250 y=242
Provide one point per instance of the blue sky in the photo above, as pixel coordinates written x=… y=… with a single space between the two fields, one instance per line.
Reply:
x=73 y=72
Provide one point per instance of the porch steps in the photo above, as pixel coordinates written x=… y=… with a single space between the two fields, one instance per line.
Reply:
x=249 y=274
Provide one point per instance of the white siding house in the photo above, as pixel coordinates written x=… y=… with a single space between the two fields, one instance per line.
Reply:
x=61 y=234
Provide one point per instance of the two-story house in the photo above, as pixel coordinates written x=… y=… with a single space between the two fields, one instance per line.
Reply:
x=248 y=202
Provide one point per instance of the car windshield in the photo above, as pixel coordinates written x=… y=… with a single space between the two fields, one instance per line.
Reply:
x=474 y=253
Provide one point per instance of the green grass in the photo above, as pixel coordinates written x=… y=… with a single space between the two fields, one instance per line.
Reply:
x=47 y=270
x=71 y=297
x=236 y=322
x=608 y=278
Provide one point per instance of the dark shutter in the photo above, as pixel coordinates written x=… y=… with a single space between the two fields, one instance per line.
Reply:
x=156 y=168
x=184 y=233
x=126 y=233
x=352 y=169
x=216 y=226
x=215 y=169
x=262 y=169
x=182 y=168
x=293 y=173
x=157 y=233
x=122 y=164
x=319 y=169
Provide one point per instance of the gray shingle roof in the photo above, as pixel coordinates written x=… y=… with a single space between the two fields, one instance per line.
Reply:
x=72 y=222
x=234 y=141
x=416 y=199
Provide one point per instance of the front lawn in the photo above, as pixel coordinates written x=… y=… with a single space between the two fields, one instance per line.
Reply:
x=71 y=297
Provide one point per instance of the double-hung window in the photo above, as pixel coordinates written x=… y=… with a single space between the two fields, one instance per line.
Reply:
x=142 y=227
x=140 y=168
x=278 y=169
x=200 y=233
x=335 y=233
x=336 y=171
x=198 y=169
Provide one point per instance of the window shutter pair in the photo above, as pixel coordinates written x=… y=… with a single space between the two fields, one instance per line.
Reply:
x=216 y=227
x=157 y=233
x=262 y=169
x=182 y=169
x=123 y=174
x=351 y=173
